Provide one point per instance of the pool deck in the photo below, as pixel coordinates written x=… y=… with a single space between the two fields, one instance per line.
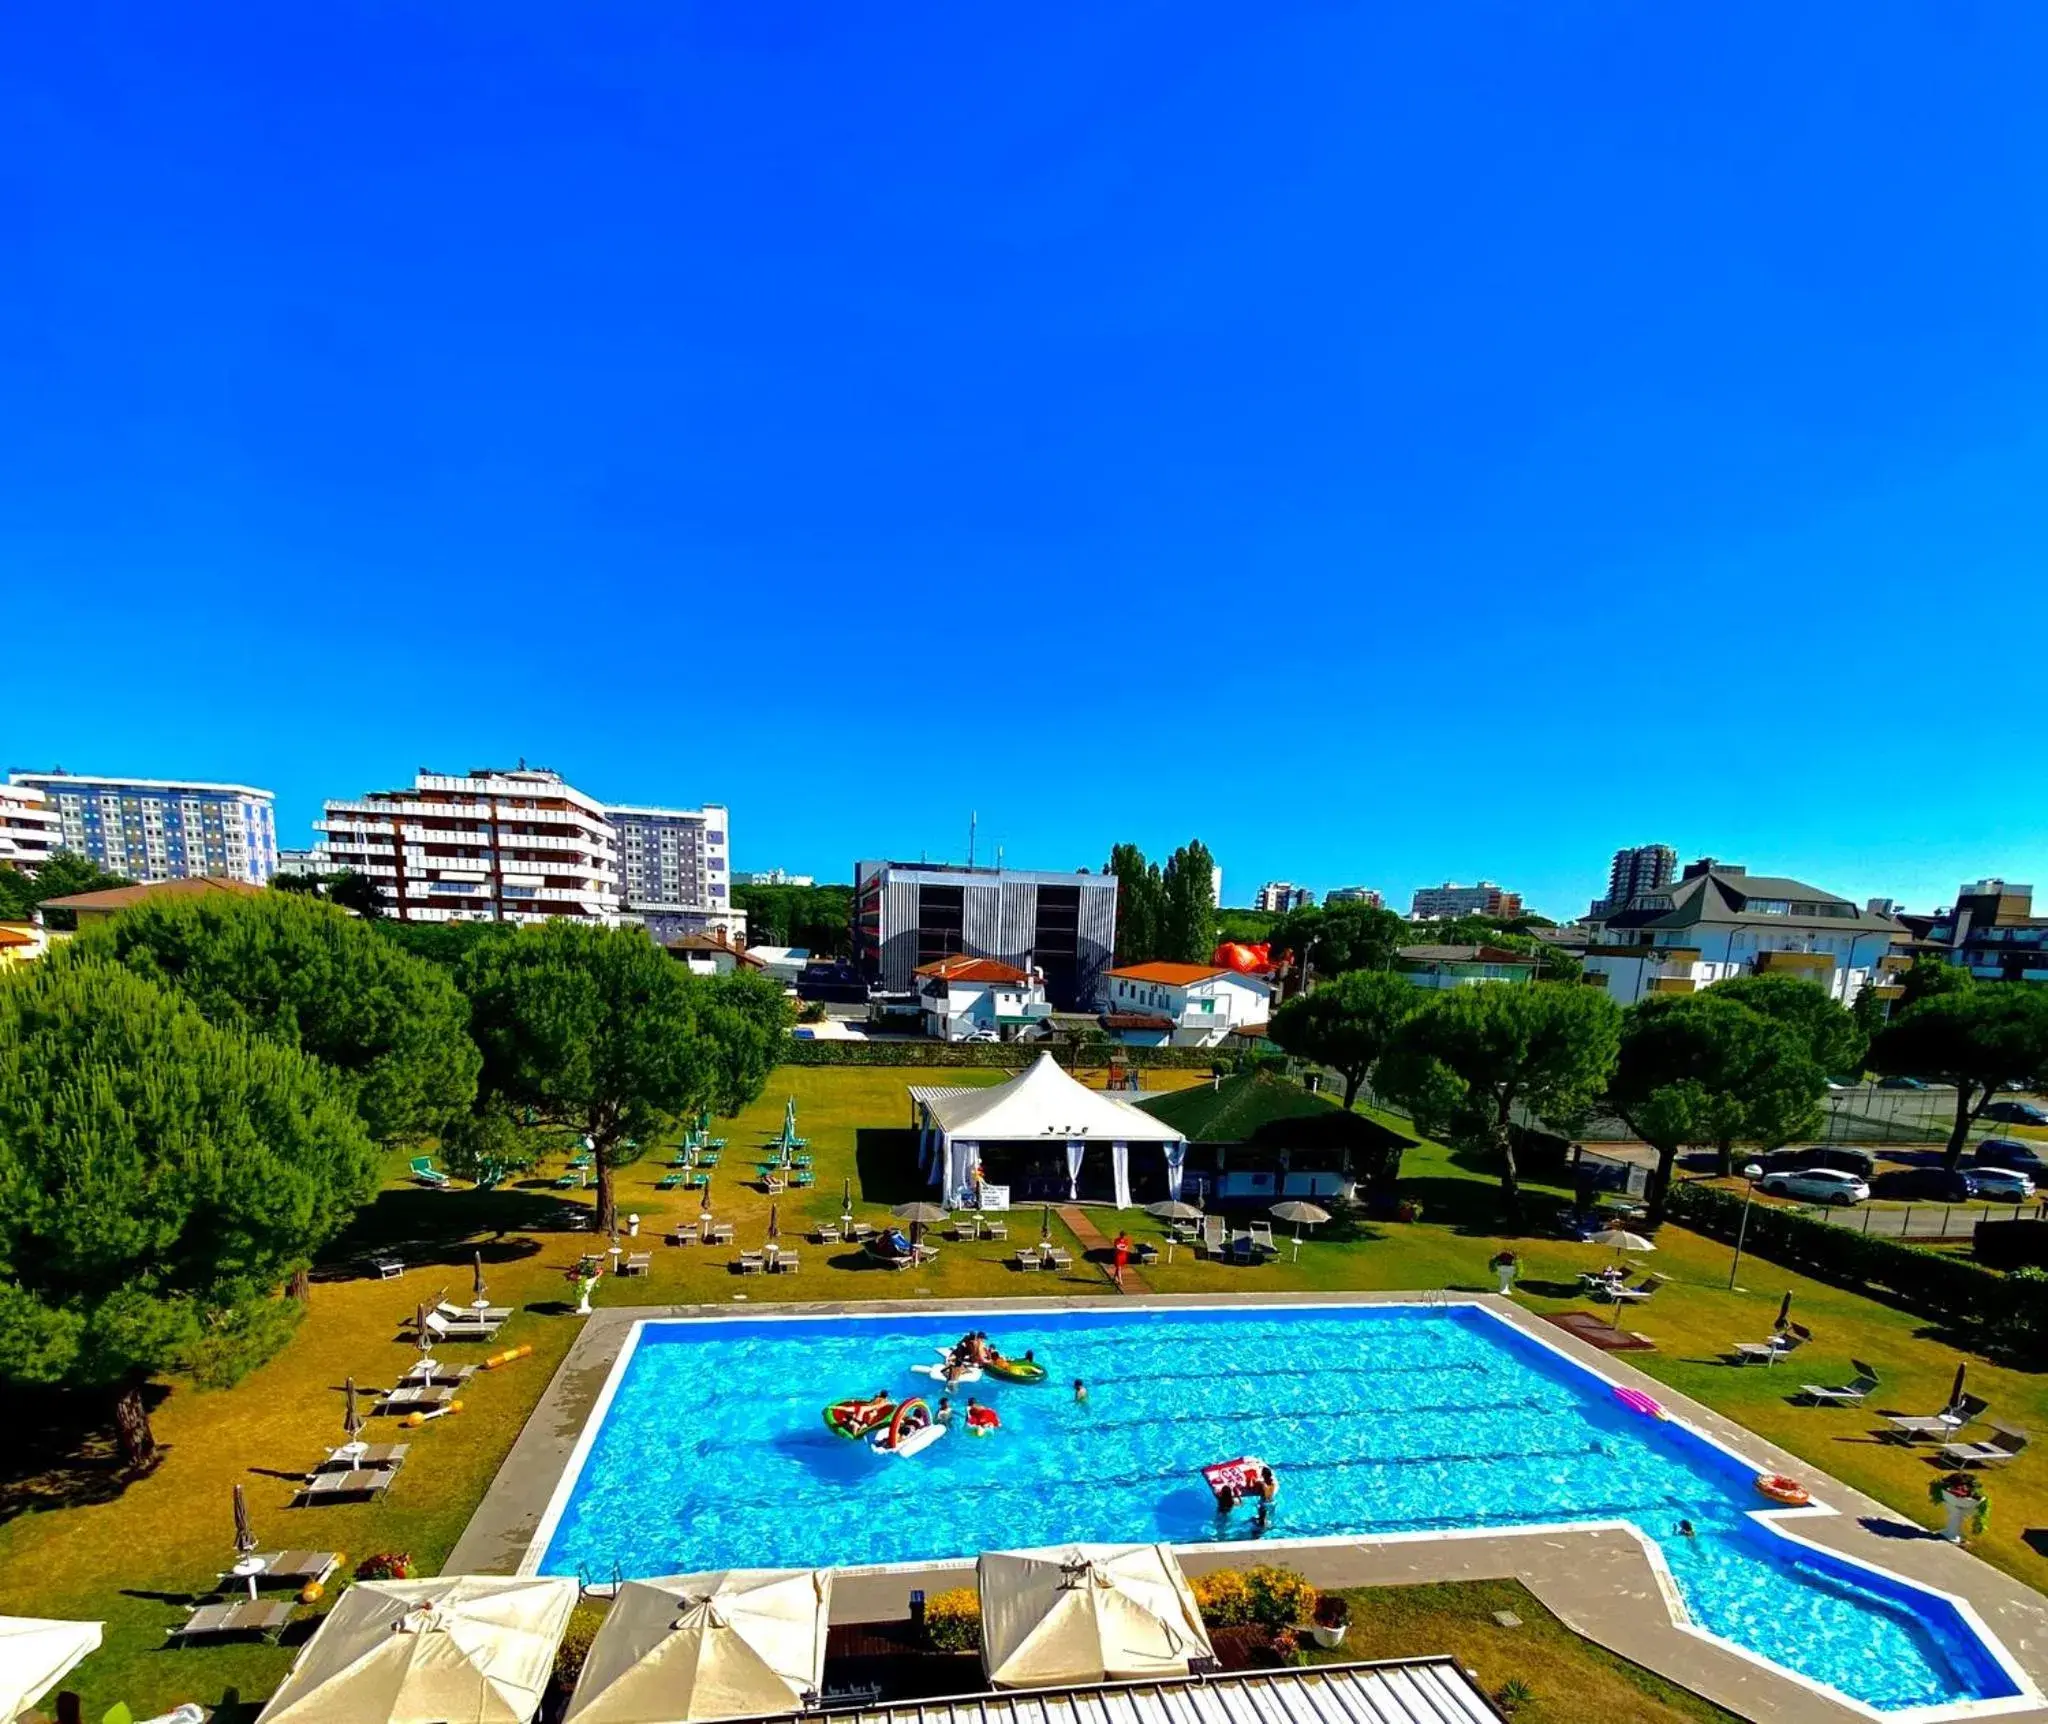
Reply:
x=1600 y=1579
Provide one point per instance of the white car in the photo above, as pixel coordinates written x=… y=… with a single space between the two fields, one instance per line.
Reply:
x=1816 y=1185
x=2001 y=1184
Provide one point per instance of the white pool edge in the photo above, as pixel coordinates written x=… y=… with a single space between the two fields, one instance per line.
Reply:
x=1520 y=1323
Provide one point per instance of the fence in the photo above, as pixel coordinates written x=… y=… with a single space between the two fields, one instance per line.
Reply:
x=1918 y=1220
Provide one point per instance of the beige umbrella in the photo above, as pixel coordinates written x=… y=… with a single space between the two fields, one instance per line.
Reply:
x=479 y=1648
x=1086 y=1613
x=1296 y=1211
x=736 y=1644
x=36 y=1653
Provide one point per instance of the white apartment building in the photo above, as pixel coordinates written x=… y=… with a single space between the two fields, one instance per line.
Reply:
x=485 y=846
x=1719 y=921
x=1434 y=903
x=1282 y=896
x=1179 y=1005
x=152 y=829
x=31 y=829
x=675 y=870
x=967 y=998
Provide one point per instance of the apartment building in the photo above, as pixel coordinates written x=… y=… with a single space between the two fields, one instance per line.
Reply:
x=1355 y=895
x=1282 y=896
x=491 y=845
x=1718 y=920
x=1991 y=930
x=1433 y=903
x=908 y=914
x=31 y=829
x=675 y=870
x=1634 y=871
x=151 y=829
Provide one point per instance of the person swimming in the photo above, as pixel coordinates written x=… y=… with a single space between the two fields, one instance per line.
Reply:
x=1080 y=1390
x=1266 y=1489
x=1685 y=1530
x=944 y=1415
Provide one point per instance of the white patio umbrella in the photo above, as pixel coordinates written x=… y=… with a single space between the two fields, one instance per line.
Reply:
x=1622 y=1240
x=36 y=1653
x=1086 y=1613
x=475 y=1647
x=1171 y=1210
x=1298 y=1212
x=741 y=1643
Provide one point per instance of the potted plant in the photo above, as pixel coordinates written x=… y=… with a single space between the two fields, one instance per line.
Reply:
x=1503 y=1264
x=1962 y=1497
x=1333 y=1616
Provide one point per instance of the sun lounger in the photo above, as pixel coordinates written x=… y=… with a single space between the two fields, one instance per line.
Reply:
x=1640 y=1292
x=1848 y=1394
x=862 y=1232
x=431 y=1371
x=825 y=1233
x=1770 y=1352
x=289 y=1568
x=332 y=1487
x=721 y=1233
x=1937 y=1427
x=671 y=1181
x=246 y=1617
x=1262 y=1237
x=787 y=1263
x=573 y=1180
x=1211 y=1241
x=1057 y=1258
x=995 y=1229
x=470 y=1313
x=2005 y=1443
x=966 y=1226
x=751 y=1263
x=447 y=1329
x=424 y=1170
x=388 y=1268
x=637 y=1263
x=683 y=1236
x=373 y=1455
x=416 y=1398
x=1027 y=1258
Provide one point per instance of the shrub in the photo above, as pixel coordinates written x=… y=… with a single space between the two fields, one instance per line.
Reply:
x=1280 y=1598
x=1333 y=1610
x=952 y=1620
x=2014 y=1308
x=232 y=1343
x=584 y=1622
x=1224 y=1598
x=386 y=1565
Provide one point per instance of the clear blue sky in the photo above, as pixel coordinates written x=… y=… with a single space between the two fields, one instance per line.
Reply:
x=1391 y=443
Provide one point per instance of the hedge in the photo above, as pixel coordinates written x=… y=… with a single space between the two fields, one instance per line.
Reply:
x=1010 y=1056
x=2015 y=1307
x=2013 y=1244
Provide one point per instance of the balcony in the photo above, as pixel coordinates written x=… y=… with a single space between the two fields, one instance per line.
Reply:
x=1805 y=964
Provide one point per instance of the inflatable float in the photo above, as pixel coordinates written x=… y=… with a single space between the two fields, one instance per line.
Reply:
x=911 y=1430
x=1016 y=1370
x=943 y=1371
x=1780 y=1489
x=1240 y=1475
x=1638 y=1402
x=981 y=1421
x=859 y=1418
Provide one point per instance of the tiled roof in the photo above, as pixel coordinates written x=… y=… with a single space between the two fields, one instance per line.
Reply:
x=1135 y=1021
x=970 y=969
x=125 y=897
x=1170 y=975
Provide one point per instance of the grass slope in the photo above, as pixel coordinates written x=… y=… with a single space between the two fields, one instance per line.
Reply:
x=1234 y=1110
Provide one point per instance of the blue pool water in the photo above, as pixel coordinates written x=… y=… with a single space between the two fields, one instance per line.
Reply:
x=713 y=1453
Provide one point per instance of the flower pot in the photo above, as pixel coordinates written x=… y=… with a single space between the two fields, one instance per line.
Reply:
x=1961 y=1511
x=1327 y=1635
x=1505 y=1274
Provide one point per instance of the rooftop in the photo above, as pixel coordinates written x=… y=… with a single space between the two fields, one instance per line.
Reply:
x=1169 y=975
x=126 y=897
x=1466 y=955
x=1717 y=896
x=965 y=968
x=57 y=778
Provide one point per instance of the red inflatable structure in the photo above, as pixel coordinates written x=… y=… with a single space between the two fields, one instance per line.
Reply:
x=1245 y=960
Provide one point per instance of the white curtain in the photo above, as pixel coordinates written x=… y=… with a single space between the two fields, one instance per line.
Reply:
x=1120 y=1166
x=961 y=1174
x=1074 y=1153
x=1176 y=1155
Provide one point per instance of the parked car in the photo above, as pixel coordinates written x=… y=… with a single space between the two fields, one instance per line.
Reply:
x=1900 y=1083
x=2001 y=1184
x=1928 y=1184
x=2015 y=1154
x=2015 y=1113
x=1816 y=1185
x=1860 y=1162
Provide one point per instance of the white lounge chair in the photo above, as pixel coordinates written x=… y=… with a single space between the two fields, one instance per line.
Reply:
x=787 y=1263
x=1938 y=1427
x=1262 y=1237
x=331 y=1487
x=995 y=1229
x=447 y=1329
x=638 y=1263
x=244 y=1617
x=1848 y=1394
x=1211 y=1242
x=473 y=1314
x=1788 y=1340
x=752 y=1263
x=2005 y=1443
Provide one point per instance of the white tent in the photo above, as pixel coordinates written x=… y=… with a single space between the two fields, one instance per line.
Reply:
x=726 y=1645
x=1044 y=1105
x=479 y=1648
x=36 y=1652
x=1087 y=1613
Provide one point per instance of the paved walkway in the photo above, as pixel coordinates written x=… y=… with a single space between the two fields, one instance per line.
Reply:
x=1598 y=1578
x=1089 y=1236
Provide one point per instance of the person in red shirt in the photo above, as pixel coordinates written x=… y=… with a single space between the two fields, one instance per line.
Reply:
x=1122 y=1249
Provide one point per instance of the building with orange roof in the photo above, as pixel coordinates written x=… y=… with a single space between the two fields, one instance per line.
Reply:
x=96 y=906
x=969 y=999
x=1161 y=1005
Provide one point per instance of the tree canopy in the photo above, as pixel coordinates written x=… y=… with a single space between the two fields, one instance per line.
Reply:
x=746 y=1017
x=1164 y=914
x=1828 y=1030
x=62 y=876
x=817 y=918
x=1347 y=1023
x=1928 y=977
x=302 y=972
x=1339 y=937
x=598 y=1031
x=1707 y=1069
x=1977 y=1039
x=1464 y=1062
x=159 y=1177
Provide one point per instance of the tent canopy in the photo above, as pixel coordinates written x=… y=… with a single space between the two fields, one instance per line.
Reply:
x=1044 y=1102
x=1087 y=1613
x=739 y=1643
x=475 y=1647
x=36 y=1652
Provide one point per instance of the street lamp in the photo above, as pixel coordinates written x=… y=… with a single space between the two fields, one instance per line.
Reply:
x=1752 y=1173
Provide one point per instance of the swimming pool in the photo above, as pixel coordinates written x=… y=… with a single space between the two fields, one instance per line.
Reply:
x=1379 y=1419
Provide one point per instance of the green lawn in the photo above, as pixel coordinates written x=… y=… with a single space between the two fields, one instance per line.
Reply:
x=74 y=1545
